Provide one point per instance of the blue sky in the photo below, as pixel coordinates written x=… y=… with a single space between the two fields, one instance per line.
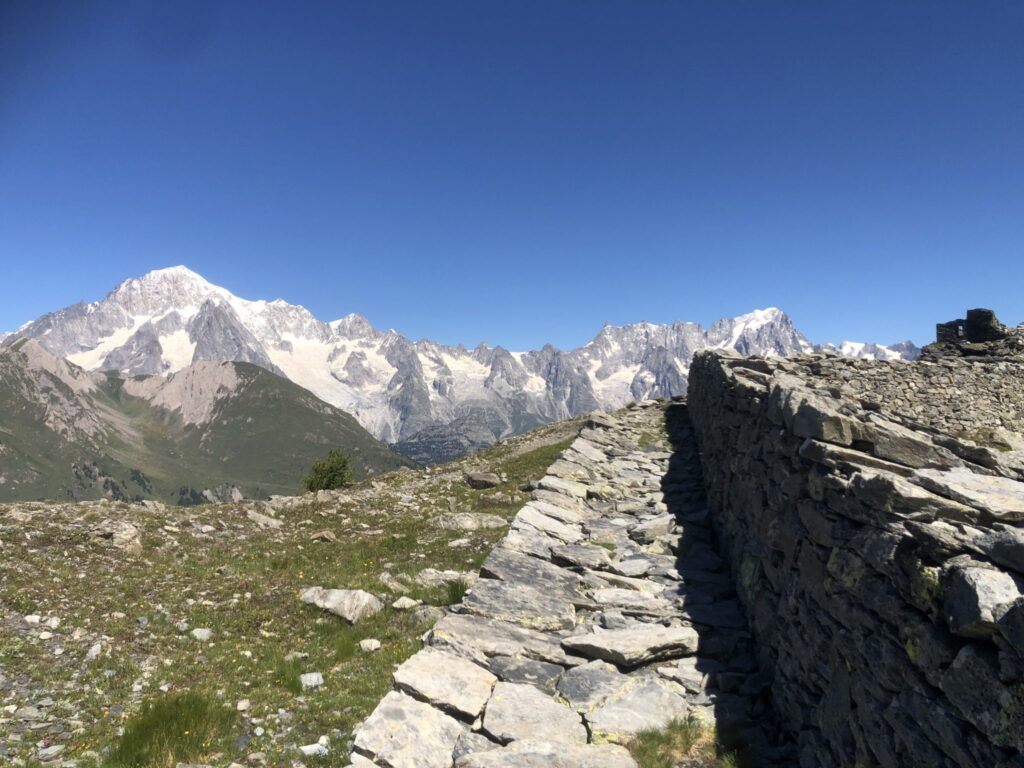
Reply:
x=522 y=172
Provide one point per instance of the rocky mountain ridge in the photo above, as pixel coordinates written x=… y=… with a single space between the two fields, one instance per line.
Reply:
x=419 y=395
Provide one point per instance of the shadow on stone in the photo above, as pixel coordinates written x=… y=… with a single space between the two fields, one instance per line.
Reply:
x=723 y=680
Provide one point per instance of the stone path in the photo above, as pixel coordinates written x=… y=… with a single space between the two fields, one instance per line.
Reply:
x=605 y=611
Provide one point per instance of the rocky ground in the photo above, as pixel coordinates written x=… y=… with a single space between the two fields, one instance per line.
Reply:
x=605 y=613
x=107 y=606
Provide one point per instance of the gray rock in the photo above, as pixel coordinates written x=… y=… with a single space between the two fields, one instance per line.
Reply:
x=519 y=604
x=479 y=638
x=518 y=669
x=536 y=754
x=588 y=686
x=648 y=705
x=517 y=712
x=353 y=605
x=404 y=732
x=508 y=565
x=635 y=645
x=449 y=682
x=977 y=598
x=482 y=480
x=583 y=555
x=562 y=486
x=1000 y=497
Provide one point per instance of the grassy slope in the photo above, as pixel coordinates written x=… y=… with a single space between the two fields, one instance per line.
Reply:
x=213 y=568
x=262 y=439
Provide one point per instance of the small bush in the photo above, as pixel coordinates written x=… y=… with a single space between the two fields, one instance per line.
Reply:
x=182 y=727
x=327 y=474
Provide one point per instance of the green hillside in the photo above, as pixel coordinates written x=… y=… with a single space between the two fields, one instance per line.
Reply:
x=68 y=434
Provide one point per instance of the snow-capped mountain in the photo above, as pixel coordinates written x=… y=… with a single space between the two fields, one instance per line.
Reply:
x=396 y=388
x=905 y=350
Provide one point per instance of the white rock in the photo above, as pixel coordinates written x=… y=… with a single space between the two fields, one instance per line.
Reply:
x=311 y=680
x=243 y=705
x=405 y=604
x=201 y=634
x=353 y=605
x=369 y=644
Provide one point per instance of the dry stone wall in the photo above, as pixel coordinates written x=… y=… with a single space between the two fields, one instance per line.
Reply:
x=967 y=397
x=605 y=611
x=880 y=560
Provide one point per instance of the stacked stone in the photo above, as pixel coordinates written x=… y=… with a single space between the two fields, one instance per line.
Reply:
x=881 y=565
x=958 y=396
x=605 y=611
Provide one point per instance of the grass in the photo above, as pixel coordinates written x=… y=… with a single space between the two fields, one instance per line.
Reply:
x=184 y=727
x=456 y=591
x=688 y=742
x=212 y=567
x=287 y=673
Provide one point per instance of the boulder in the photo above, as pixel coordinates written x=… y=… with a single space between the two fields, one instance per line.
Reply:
x=353 y=605
x=482 y=480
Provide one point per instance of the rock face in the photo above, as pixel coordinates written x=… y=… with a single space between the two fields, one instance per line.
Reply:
x=871 y=512
x=605 y=611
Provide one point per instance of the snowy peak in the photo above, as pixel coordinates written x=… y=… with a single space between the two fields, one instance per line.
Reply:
x=904 y=350
x=170 y=319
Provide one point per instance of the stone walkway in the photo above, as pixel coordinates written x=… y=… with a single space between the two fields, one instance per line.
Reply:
x=603 y=612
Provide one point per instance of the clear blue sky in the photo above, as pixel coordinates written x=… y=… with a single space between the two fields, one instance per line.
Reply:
x=522 y=172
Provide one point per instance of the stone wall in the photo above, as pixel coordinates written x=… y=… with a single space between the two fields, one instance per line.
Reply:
x=881 y=566
x=958 y=396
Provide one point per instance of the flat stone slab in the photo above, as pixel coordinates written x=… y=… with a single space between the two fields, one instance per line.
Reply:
x=539 y=754
x=588 y=686
x=630 y=601
x=531 y=518
x=353 y=605
x=517 y=669
x=449 y=682
x=479 y=638
x=999 y=496
x=649 y=705
x=517 y=712
x=512 y=566
x=519 y=604
x=408 y=733
x=566 y=487
x=583 y=555
x=635 y=645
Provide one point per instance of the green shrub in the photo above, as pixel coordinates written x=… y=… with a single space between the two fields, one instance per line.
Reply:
x=327 y=474
x=183 y=727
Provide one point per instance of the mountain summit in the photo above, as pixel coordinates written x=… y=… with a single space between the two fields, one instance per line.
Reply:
x=402 y=391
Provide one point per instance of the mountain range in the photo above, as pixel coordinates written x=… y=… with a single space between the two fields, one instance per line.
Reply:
x=428 y=400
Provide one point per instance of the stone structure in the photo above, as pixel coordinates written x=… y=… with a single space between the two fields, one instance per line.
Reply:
x=829 y=562
x=880 y=559
x=980 y=334
x=604 y=611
